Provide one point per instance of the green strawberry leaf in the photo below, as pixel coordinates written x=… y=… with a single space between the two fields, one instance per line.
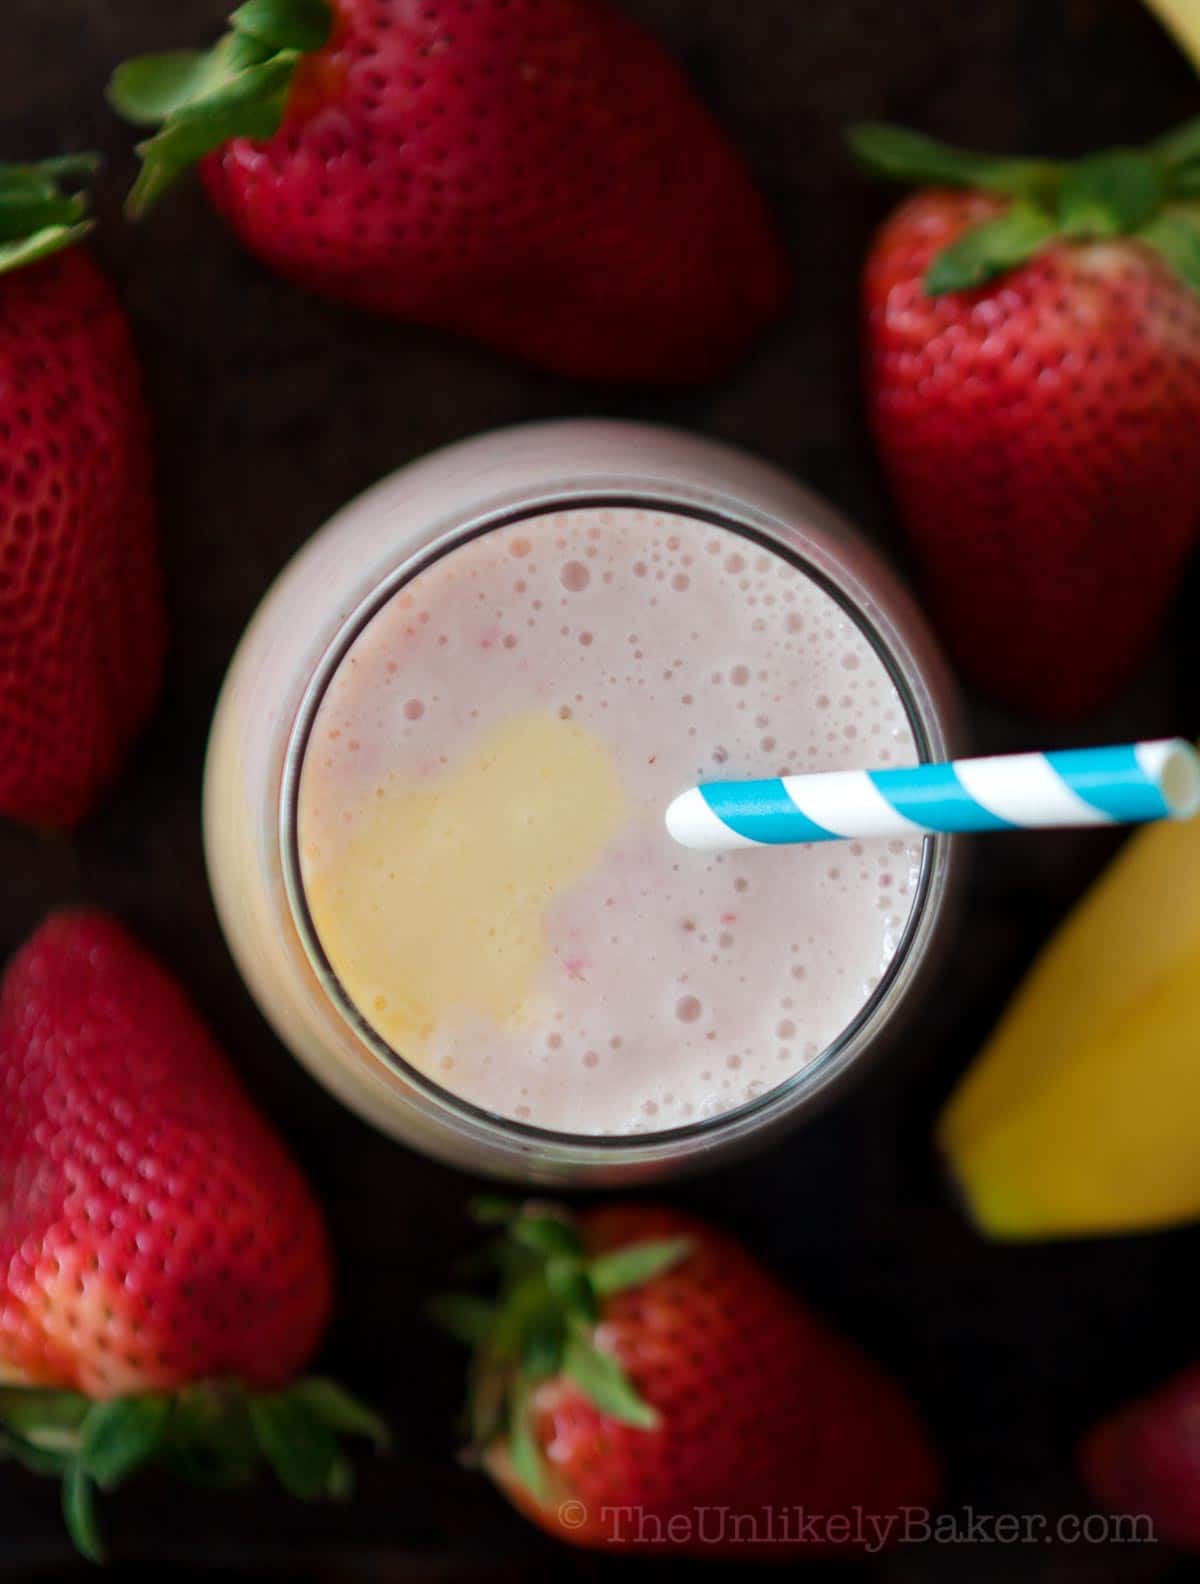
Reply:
x=70 y=168
x=571 y=1286
x=38 y=1460
x=41 y=1428
x=298 y=1446
x=149 y=89
x=601 y=1379
x=53 y=239
x=40 y=213
x=524 y=1300
x=213 y=1433
x=44 y=1416
x=640 y=1262
x=545 y=1234
x=1179 y=147
x=121 y=1436
x=209 y=1439
x=1110 y=194
x=990 y=249
x=493 y=1209
x=1118 y=193
x=339 y=1482
x=250 y=104
x=79 y=1513
x=285 y=24
x=542 y=1344
x=23 y=217
x=32 y=196
x=1176 y=237
x=467 y=1319
x=201 y=99
x=341 y=1412
x=898 y=154
x=542 y=1324
x=523 y=1449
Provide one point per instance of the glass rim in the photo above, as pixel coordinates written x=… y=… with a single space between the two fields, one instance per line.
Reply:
x=779 y=1100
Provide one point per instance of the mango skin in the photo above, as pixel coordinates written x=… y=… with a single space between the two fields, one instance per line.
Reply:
x=1081 y=1116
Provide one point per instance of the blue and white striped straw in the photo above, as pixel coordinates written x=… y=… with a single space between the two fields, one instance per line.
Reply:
x=1083 y=786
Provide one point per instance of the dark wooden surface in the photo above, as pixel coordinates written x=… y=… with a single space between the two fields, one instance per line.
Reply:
x=273 y=409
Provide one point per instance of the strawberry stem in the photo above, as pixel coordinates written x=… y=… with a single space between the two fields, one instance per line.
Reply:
x=213 y=1433
x=543 y=1325
x=200 y=99
x=1145 y=194
x=894 y=153
x=43 y=208
x=79 y=1513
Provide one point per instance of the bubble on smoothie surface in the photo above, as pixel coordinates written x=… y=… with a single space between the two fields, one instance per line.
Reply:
x=540 y=960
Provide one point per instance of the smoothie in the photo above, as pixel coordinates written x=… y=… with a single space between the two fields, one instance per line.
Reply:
x=480 y=821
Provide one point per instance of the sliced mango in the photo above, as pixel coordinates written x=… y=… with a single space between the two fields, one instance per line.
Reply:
x=1182 y=18
x=1081 y=1116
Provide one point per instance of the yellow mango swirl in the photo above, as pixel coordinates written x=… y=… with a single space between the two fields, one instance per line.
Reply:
x=438 y=899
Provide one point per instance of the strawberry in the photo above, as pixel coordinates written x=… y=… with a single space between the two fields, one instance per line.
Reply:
x=536 y=174
x=1145 y=1460
x=642 y=1383
x=1033 y=381
x=81 y=614
x=164 y=1271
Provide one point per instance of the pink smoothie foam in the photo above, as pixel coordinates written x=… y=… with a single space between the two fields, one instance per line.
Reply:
x=481 y=821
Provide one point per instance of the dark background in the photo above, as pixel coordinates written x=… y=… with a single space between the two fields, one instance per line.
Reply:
x=273 y=409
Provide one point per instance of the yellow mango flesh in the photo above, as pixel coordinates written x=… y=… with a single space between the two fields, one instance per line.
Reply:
x=1182 y=18
x=438 y=900
x=1081 y=1116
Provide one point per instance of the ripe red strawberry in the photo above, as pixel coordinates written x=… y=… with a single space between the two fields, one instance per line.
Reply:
x=164 y=1270
x=1145 y=1459
x=642 y=1383
x=81 y=614
x=536 y=174
x=1033 y=381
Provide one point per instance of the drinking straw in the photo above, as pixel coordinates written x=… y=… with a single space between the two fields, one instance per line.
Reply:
x=1080 y=786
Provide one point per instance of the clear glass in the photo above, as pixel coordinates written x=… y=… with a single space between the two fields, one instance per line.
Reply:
x=314 y=612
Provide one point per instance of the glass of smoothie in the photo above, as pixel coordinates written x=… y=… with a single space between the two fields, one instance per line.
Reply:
x=437 y=780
